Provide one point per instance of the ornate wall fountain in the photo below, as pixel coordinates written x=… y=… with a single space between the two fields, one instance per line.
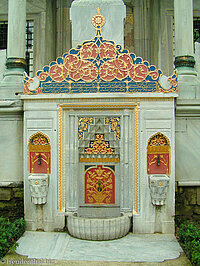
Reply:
x=109 y=116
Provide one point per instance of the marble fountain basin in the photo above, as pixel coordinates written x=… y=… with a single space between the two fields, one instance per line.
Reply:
x=98 y=228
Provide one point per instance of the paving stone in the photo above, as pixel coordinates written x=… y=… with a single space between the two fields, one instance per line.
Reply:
x=22 y=260
x=131 y=248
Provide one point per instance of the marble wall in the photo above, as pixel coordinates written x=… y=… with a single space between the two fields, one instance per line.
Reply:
x=156 y=118
x=11 y=148
x=157 y=115
x=41 y=117
x=187 y=150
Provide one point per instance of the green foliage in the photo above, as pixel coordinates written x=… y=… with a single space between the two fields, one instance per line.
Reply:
x=189 y=237
x=9 y=233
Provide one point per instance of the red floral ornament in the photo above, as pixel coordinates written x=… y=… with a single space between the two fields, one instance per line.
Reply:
x=56 y=73
x=43 y=76
x=89 y=51
x=140 y=73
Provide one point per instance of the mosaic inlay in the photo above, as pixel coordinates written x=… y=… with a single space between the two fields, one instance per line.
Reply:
x=99 y=66
x=158 y=142
x=99 y=146
x=39 y=139
x=115 y=125
x=83 y=123
x=100 y=185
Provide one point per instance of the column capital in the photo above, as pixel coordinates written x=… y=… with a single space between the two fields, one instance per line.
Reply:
x=14 y=62
x=184 y=61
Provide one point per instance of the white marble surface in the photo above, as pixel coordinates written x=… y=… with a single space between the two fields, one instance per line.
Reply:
x=11 y=148
x=187 y=150
x=132 y=248
x=81 y=14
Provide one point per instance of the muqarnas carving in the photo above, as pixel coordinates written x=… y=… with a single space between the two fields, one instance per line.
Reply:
x=99 y=139
x=158 y=154
x=100 y=185
x=99 y=146
x=40 y=153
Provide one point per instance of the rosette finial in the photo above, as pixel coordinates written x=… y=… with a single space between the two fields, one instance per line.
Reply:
x=98 y=20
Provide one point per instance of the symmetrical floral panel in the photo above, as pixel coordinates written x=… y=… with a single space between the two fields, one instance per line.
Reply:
x=99 y=66
x=100 y=184
x=158 y=154
x=40 y=154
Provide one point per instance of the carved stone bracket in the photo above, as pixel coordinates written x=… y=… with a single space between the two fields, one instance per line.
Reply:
x=38 y=187
x=158 y=189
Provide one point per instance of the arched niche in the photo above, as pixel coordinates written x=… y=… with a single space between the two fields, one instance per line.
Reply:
x=158 y=154
x=39 y=153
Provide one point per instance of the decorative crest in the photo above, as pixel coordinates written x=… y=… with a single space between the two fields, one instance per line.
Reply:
x=158 y=143
x=99 y=66
x=98 y=20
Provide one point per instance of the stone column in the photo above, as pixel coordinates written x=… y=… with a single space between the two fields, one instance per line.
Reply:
x=16 y=41
x=63 y=27
x=183 y=19
x=11 y=110
x=141 y=20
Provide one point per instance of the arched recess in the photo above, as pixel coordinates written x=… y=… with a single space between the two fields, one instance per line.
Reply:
x=158 y=154
x=39 y=153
